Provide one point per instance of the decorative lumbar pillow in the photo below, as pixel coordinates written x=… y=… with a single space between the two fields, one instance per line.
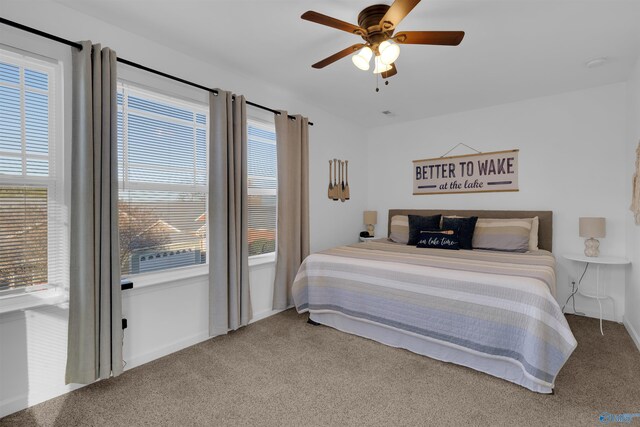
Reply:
x=502 y=234
x=464 y=227
x=419 y=223
x=399 y=232
x=439 y=239
x=533 y=236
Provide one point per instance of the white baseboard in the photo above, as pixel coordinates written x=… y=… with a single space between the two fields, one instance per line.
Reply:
x=184 y=343
x=634 y=334
x=23 y=401
x=595 y=314
x=264 y=315
x=166 y=350
x=14 y=404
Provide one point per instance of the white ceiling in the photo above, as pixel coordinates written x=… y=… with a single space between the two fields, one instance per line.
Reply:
x=513 y=49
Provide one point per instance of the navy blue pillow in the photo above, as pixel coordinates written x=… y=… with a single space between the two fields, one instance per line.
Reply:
x=418 y=223
x=464 y=227
x=440 y=239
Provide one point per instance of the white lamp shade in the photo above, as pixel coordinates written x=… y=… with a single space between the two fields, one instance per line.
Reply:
x=593 y=227
x=362 y=58
x=389 y=52
x=370 y=217
x=380 y=67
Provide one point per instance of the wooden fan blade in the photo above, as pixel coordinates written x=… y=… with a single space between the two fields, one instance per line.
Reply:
x=321 y=19
x=333 y=58
x=396 y=13
x=392 y=72
x=445 y=38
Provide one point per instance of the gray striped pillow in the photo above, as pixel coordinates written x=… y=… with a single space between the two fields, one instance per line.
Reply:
x=400 y=229
x=502 y=234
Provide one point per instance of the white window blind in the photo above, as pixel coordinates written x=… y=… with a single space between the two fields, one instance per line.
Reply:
x=262 y=187
x=162 y=149
x=31 y=229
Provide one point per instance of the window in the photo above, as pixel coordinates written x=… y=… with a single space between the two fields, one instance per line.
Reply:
x=262 y=186
x=31 y=229
x=162 y=169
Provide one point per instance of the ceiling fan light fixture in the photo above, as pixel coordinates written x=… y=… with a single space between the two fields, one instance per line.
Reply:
x=362 y=58
x=380 y=66
x=389 y=52
x=377 y=25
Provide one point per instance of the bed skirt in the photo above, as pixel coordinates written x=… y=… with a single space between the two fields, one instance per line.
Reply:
x=500 y=367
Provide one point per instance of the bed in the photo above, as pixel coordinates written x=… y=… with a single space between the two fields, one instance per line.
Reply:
x=494 y=312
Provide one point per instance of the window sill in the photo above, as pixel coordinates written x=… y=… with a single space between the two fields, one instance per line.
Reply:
x=29 y=300
x=257 y=260
x=55 y=296
x=167 y=277
x=150 y=279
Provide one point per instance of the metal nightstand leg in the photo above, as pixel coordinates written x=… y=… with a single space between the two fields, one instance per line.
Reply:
x=598 y=297
x=598 y=294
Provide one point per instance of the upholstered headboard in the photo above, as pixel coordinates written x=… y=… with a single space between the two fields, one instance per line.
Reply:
x=545 y=232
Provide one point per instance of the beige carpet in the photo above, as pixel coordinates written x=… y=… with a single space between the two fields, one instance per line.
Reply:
x=283 y=371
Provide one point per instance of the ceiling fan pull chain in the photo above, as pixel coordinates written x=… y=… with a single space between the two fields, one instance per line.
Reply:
x=377 y=88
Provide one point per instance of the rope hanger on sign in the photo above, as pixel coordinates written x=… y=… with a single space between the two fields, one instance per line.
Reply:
x=459 y=144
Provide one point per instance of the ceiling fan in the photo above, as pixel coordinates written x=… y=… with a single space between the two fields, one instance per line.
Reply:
x=376 y=25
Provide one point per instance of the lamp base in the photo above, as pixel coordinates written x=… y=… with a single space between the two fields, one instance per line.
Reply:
x=370 y=229
x=592 y=247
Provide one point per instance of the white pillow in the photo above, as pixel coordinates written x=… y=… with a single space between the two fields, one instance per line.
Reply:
x=533 y=236
x=399 y=232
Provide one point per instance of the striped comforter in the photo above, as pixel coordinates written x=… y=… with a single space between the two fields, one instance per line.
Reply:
x=497 y=305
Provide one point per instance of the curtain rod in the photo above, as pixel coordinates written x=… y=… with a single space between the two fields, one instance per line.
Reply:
x=127 y=62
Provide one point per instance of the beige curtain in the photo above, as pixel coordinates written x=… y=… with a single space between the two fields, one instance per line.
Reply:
x=292 y=138
x=229 y=299
x=95 y=307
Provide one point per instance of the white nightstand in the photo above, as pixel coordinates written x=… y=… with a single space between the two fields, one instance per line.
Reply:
x=598 y=261
x=367 y=239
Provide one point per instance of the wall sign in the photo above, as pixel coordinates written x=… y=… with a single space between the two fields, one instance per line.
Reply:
x=471 y=173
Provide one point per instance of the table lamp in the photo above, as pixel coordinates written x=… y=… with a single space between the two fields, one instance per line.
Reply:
x=370 y=219
x=592 y=228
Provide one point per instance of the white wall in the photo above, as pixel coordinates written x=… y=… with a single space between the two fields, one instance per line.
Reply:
x=632 y=314
x=571 y=148
x=170 y=316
